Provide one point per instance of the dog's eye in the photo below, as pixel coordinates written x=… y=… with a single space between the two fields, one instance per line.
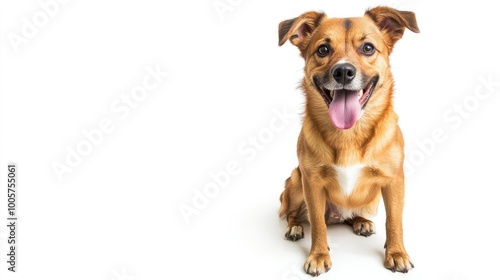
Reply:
x=323 y=50
x=368 y=49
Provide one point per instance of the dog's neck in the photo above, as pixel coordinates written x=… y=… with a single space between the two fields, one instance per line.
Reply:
x=359 y=138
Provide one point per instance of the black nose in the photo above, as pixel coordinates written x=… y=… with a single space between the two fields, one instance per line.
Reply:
x=344 y=73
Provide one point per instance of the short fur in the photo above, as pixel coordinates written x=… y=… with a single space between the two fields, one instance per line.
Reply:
x=312 y=192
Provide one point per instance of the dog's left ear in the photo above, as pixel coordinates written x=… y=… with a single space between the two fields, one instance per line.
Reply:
x=392 y=23
x=298 y=29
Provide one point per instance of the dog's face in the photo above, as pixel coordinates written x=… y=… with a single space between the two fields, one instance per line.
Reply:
x=347 y=59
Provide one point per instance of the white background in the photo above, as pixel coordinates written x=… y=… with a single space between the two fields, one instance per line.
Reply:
x=116 y=214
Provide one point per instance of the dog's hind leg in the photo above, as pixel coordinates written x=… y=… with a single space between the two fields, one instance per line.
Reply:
x=361 y=226
x=293 y=207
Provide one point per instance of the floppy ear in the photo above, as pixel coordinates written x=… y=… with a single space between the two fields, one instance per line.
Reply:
x=392 y=23
x=298 y=29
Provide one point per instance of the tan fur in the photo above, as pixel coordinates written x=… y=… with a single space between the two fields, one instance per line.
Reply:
x=375 y=140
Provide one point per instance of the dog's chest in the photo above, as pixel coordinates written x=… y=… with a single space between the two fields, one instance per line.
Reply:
x=348 y=176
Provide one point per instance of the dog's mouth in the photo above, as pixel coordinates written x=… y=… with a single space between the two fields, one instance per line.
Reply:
x=345 y=106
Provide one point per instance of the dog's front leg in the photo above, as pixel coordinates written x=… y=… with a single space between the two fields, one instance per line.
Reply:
x=319 y=257
x=396 y=258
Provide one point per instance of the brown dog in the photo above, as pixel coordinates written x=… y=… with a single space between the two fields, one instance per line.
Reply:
x=350 y=148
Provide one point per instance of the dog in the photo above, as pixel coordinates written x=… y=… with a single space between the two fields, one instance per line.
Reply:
x=350 y=148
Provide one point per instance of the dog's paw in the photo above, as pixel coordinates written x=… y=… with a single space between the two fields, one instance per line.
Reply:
x=317 y=264
x=294 y=233
x=363 y=227
x=398 y=261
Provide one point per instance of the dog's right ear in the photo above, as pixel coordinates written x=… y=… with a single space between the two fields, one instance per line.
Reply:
x=298 y=29
x=392 y=23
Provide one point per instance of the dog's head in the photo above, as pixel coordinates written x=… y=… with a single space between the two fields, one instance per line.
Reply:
x=347 y=59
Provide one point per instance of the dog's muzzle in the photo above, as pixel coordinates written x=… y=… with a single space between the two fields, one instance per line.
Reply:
x=345 y=101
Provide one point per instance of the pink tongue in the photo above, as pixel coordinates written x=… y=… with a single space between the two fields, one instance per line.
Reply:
x=345 y=109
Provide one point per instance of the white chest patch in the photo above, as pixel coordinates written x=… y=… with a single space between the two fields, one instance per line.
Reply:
x=347 y=177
